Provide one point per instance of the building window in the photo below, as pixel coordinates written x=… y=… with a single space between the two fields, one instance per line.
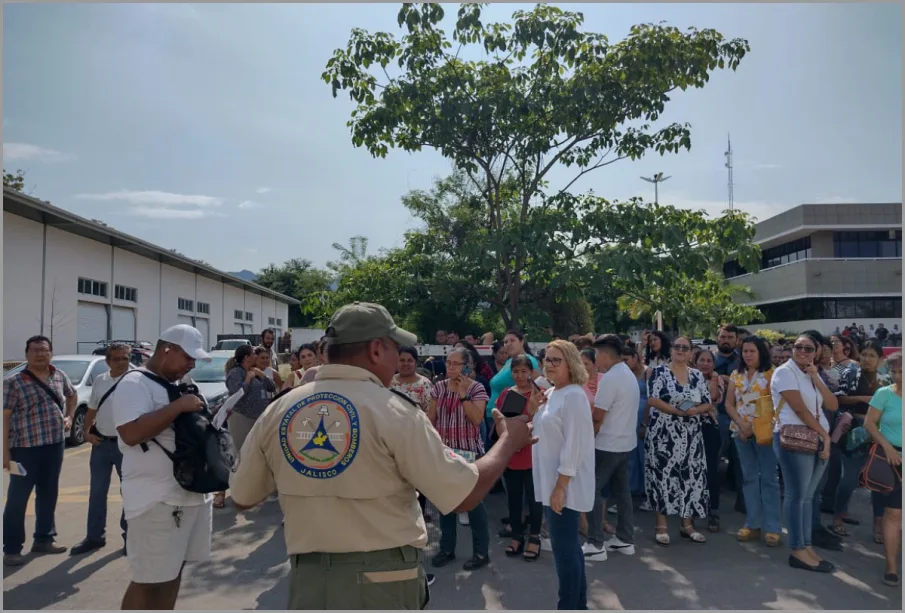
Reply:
x=880 y=244
x=237 y=315
x=279 y=321
x=92 y=288
x=204 y=308
x=271 y=321
x=129 y=294
x=249 y=316
x=832 y=308
x=186 y=305
x=786 y=253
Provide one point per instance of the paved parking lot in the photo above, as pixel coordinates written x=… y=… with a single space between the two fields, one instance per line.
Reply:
x=249 y=568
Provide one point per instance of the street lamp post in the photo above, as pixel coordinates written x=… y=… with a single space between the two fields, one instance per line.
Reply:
x=657 y=179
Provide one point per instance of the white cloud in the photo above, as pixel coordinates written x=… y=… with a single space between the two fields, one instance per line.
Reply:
x=154 y=198
x=262 y=190
x=249 y=204
x=158 y=213
x=27 y=152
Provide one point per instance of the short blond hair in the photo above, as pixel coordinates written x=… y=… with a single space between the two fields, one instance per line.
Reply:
x=578 y=374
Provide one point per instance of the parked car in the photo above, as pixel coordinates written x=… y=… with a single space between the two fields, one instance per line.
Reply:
x=141 y=351
x=230 y=344
x=210 y=377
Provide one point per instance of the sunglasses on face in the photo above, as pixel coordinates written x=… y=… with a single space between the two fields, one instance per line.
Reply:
x=804 y=348
x=553 y=361
x=682 y=348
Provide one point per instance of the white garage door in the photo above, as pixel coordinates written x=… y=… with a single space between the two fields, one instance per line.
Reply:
x=92 y=326
x=204 y=328
x=185 y=319
x=238 y=329
x=123 y=324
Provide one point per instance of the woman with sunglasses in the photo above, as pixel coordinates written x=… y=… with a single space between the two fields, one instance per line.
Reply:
x=563 y=465
x=884 y=423
x=674 y=463
x=799 y=395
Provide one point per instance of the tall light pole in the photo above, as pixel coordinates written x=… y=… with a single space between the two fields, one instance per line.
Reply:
x=657 y=179
x=731 y=186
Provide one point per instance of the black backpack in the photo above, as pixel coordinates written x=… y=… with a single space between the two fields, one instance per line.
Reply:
x=204 y=456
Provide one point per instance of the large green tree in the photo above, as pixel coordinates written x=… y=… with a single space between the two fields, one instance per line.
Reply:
x=15 y=180
x=297 y=278
x=547 y=95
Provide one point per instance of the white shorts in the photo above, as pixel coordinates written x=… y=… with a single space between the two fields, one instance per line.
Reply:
x=157 y=548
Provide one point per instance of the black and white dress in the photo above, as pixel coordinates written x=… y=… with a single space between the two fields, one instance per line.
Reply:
x=675 y=468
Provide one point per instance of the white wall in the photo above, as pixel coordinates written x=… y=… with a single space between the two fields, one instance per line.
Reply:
x=234 y=301
x=177 y=283
x=826 y=326
x=23 y=246
x=253 y=305
x=132 y=270
x=282 y=310
x=210 y=291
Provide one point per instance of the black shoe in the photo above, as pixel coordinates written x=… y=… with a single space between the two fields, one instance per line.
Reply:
x=824 y=539
x=86 y=546
x=476 y=562
x=442 y=559
x=823 y=567
x=891 y=579
x=431 y=578
x=13 y=559
x=49 y=547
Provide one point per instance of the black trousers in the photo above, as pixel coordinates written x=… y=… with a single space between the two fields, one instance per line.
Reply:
x=519 y=487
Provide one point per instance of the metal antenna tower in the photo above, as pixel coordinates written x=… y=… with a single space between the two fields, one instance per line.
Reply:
x=657 y=179
x=728 y=155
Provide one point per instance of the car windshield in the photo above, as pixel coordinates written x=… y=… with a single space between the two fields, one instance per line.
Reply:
x=74 y=369
x=232 y=344
x=209 y=372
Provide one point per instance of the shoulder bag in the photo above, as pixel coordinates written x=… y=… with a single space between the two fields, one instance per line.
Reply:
x=878 y=475
x=800 y=438
x=47 y=389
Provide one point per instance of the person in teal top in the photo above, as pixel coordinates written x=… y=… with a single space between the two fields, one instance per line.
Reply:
x=513 y=345
x=884 y=423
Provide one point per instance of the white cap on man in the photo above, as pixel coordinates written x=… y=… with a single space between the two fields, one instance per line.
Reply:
x=187 y=338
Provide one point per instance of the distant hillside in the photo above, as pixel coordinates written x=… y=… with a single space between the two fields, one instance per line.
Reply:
x=247 y=275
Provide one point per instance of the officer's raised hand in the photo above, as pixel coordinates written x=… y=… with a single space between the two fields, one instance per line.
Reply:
x=516 y=431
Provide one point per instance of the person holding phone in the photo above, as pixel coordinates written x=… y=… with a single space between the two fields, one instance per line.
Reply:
x=674 y=462
x=519 y=476
x=799 y=395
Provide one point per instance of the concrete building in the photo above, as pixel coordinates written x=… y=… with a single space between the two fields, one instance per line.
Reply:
x=79 y=282
x=827 y=265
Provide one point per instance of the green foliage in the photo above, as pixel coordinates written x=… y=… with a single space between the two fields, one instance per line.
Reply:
x=297 y=278
x=14 y=180
x=548 y=94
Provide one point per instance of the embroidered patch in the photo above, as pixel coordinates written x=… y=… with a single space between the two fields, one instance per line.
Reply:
x=319 y=436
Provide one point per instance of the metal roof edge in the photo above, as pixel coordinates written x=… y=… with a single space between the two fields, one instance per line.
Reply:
x=69 y=217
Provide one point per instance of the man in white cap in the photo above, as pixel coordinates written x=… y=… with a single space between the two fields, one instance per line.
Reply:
x=168 y=525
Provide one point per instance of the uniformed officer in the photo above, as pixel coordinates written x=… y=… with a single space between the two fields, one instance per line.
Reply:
x=346 y=456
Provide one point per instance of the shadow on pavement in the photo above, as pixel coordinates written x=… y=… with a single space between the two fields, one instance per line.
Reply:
x=58 y=583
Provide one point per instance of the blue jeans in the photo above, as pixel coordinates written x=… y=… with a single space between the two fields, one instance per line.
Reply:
x=104 y=458
x=480 y=532
x=42 y=467
x=568 y=559
x=801 y=473
x=761 y=486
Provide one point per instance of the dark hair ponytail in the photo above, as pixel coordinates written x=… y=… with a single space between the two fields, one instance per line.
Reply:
x=242 y=352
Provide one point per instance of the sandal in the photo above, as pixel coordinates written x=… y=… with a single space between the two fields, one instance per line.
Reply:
x=219 y=500
x=690 y=533
x=662 y=536
x=772 y=539
x=515 y=547
x=747 y=534
x=532 y=555
x=838 y=529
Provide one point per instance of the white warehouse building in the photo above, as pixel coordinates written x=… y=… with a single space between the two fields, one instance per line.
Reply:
x=79 y=282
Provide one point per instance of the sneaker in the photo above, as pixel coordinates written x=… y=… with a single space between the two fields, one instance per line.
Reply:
x=476 y=562
x=644 y=506
x=614 y=544
x=463 y=519
x=13 y=559
x=442 y=559
x=431 y=577
x=48 y=548
x=594 y=554
x=86 y=546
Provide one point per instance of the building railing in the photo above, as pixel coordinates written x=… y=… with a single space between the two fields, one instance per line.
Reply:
x=748 y=274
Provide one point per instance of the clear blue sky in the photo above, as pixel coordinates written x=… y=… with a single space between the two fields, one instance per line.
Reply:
x=206 y=128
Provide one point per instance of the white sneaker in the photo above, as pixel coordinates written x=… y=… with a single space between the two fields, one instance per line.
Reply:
x=614 y=544
x=463 y=519
x=612 y=510
x=546 y=544
x=644 y=506
x=592 y=553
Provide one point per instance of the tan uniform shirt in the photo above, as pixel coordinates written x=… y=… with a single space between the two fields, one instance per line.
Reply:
x=346 y=456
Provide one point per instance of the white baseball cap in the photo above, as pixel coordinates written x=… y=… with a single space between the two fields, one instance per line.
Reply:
x=188 y=338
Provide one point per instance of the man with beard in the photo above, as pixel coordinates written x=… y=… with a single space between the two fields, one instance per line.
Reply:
x=727 y=361
x=267 y=338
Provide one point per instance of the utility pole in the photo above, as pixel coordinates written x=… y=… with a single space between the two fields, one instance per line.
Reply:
x=728 y=155
x=657 y=179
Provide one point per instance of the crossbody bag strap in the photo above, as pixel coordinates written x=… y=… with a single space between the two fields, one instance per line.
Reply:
x=47 y=389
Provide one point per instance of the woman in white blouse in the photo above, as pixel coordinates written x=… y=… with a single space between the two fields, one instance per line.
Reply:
x=563 y=461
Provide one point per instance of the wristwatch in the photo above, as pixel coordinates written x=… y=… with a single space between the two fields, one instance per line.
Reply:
x=465 y=398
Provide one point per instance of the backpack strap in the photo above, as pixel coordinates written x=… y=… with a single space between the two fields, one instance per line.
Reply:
x=173 y=393
x=53 y=395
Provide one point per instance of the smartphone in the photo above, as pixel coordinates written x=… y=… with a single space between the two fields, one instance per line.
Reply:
x=466 y=370
x=542 y=384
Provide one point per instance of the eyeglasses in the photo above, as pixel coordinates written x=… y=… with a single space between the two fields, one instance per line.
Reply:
x=553 y=361
x=804 y=348
x=682 y=348
x=449 y=363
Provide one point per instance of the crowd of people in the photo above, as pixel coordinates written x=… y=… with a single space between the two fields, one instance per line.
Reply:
x=795 y=422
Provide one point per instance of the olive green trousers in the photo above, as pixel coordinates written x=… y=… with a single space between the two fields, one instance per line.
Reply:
x=385 y=579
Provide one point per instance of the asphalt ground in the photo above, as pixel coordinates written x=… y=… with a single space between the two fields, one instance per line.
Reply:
x=248 y=569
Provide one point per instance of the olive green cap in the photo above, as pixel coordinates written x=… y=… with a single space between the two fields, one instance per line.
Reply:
x=364 y=321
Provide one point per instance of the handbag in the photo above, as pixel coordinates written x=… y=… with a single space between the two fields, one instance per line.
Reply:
x=799 y=438
x=878 y=475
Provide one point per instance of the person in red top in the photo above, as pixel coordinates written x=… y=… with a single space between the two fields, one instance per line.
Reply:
x=518 y=475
